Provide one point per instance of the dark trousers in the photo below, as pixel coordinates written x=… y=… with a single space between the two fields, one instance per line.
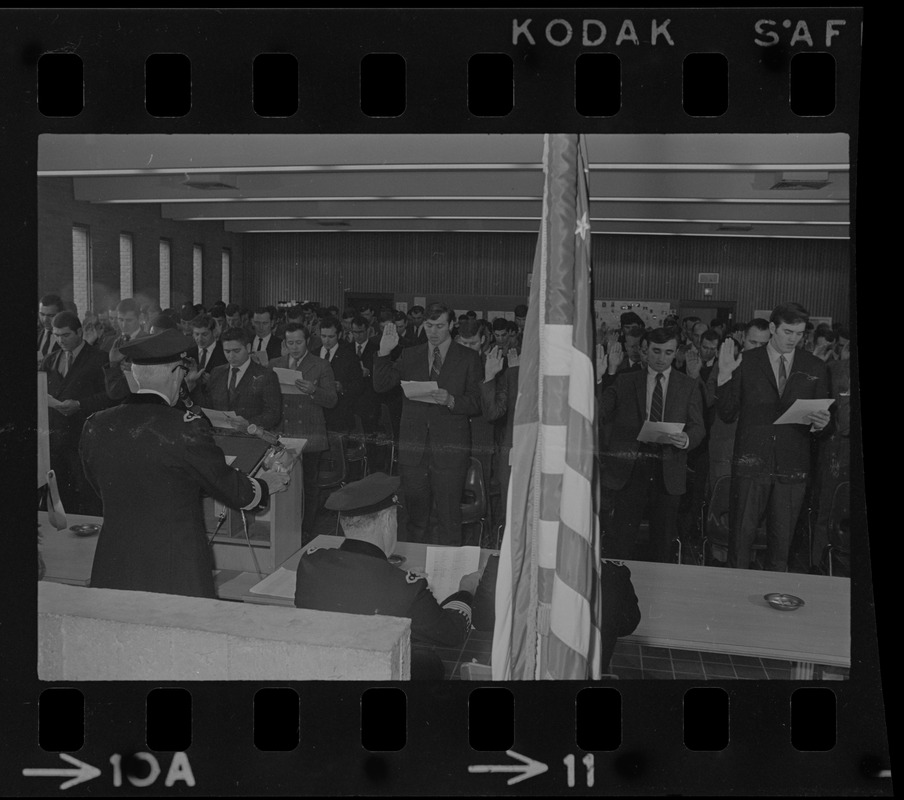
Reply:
x=437 y=481
x=751 y=500
x=644 y=491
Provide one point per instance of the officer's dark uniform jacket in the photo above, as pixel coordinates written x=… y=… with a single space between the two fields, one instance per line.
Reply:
x=150 y=463
x=356 y=578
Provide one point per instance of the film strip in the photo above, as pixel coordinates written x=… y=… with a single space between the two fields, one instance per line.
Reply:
x=787 y=72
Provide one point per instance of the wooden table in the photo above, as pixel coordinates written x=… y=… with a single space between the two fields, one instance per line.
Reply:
x=67 y=557
x=721 y=610
x=706 y=609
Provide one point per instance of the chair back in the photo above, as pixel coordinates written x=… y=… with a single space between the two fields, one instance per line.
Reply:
x=356 y=448
x=474 y=495
x=331 y=468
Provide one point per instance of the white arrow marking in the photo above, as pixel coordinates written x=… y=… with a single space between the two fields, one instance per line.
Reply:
x=84 y=772
x=528 y=768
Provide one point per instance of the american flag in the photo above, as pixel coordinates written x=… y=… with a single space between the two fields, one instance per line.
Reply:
x=547 y=596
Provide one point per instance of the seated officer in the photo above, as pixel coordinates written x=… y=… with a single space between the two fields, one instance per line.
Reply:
x=357 y=578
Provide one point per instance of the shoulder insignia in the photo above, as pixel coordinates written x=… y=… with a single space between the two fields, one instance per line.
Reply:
x=411 y=577
x=190 y=416
x=311 y=550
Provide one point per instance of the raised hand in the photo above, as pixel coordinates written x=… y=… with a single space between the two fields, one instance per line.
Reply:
x=727 y=361
x=694 y=363
x=390 y=339
x=602 y=361
x=616 y=356
x=493 y=365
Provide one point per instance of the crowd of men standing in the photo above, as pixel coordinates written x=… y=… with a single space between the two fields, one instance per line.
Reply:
x=724 y=388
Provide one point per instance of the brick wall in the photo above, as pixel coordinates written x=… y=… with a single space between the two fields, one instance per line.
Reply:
x=58 y=211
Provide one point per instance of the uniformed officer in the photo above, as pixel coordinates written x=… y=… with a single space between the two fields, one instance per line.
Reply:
x=150 y=463
x=357 y=578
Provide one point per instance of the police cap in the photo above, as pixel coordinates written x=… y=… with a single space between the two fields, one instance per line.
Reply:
x=160 y=348
x=373 y=493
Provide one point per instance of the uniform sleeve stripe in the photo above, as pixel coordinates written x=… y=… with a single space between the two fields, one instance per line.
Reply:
x=257 y=495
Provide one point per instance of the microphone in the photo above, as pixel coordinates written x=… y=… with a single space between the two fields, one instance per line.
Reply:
x=270 y=438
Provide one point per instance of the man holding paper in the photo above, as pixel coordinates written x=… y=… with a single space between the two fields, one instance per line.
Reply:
x=656 y=417
x=435 y=435
x=771 y=460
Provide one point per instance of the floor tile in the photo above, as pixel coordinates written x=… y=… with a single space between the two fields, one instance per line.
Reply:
x=691 y=667
x=715 y=658
x=743 y=671
x=718 y=670
x=657 y=663
x=655 y=674
x=654 y=652
x=625 y=674
x=686 y=655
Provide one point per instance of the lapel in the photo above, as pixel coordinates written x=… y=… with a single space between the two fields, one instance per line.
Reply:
x=671 y=397
x=640 y=389
x=420 y=371
x=765 y=365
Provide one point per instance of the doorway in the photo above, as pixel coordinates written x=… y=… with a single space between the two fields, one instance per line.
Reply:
x=708 y=310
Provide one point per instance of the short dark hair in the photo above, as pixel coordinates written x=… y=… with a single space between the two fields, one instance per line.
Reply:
x=500 y=324
x=513 y=326
x=232 y=309
x=521 y=310
x=471 y=314
x=330 y=322
x=790 y=314
x=710 y=336
x=399 y=316
x=825 y=333
x=163 y=322
x=333 y=310
x=127 y=305
x=469 y=328
x=235 y=335
x=67 y=319
x=296 y=312
x=52 y=300
x=367 y=307
x=717 y=323
x=416 y=310
x=204 y=321
x=642 y=335
x=358 y=321
x=350 y=313
x=295 y=327
x=266 y=310
x=630 y=318
x=662 y=335
x=757 y=322
x=436 y=310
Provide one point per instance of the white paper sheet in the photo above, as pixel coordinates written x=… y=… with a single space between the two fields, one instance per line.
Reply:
x=651 y=431
x=802 y=408
x=446 y=566
x=280 y=583
x=419 y=390
x=287 y=378
x=220 y=419
x=229 y=460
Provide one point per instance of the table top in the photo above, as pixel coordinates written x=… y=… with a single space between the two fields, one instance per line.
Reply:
x=707 y=609
x=67 y=557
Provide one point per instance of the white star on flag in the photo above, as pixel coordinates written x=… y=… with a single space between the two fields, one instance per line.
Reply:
x=583 y=227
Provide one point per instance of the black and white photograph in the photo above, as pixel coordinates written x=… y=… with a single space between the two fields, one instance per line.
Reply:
x=442 y=402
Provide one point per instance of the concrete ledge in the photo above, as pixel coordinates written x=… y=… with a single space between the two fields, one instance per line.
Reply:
x=108 y=634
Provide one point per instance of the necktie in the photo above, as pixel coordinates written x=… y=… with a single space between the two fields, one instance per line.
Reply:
x=360 y=350
x=259 y=343
x=325 y=354
x=782 y=374
x=45 y=342
x=437 y=364
x=656 y=404
x=203 y=359
x=64 y=363
x=292 y=362
x=233 y=377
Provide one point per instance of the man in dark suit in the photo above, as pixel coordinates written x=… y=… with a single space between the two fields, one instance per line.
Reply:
x=771 y=462
x=265 y=340
x=435 y=437
x=347 y=374
x=208 y=350
x=49 y=306
x=150 y=461
x=128 y=324
x=365 y=348
x=242 y=385
x=416 y=325
x=75 y=386
x=648 y=476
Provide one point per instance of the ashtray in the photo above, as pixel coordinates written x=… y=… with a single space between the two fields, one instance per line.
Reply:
x=396 y=560
x=783 y=602
x=85 y=530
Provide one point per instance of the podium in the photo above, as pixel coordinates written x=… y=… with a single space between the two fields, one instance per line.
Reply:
x=274 y=533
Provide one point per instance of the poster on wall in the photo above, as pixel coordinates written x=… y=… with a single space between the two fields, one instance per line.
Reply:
x=652 y=312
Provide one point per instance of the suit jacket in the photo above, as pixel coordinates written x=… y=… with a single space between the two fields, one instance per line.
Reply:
x=368 y=404
x=302 y=416
x=497 y=399
x=217 y=357
x=54 y=344
x=347 y=372
x=623 y=404
x=258 y=398
x=150 y=463
x=449 y=430
x=83 y=382
x=274 y=346
x=751 y=397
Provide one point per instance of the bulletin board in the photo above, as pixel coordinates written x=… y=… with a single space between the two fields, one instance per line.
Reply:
x=652 y=312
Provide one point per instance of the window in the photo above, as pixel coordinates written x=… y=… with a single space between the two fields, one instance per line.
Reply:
x=224 y=292
x=165 y=257
x=197 y=267
x=125 y=265
x=81 y=269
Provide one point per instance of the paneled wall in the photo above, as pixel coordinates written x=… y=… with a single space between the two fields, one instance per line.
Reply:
x=58 y=211
x=756 y=273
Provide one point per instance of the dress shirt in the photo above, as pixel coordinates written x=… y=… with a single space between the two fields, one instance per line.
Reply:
x=443 y=352
x=328 y=354
x=774 y=357
x=261 y=344
x=651 y=385
x=241 y=371
x=208 y=353
x=73 y=354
